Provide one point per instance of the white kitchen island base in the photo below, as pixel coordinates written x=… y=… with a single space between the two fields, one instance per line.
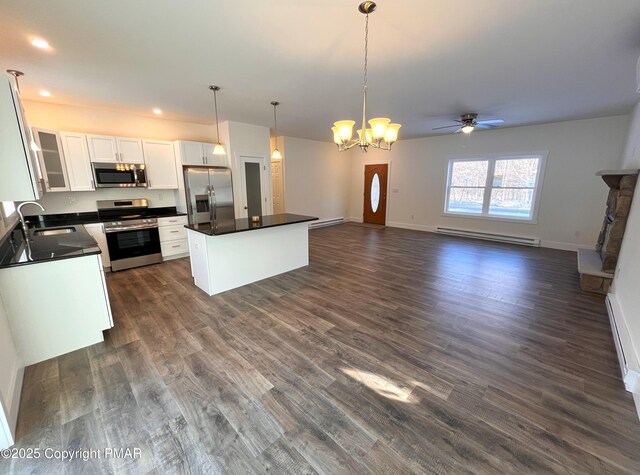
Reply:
x=227 y=261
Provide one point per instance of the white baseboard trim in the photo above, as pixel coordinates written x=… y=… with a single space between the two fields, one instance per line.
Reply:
x=415 y=227
x=353 y=220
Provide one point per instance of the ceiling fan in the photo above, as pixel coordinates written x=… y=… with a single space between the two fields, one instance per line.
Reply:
x=469 y=122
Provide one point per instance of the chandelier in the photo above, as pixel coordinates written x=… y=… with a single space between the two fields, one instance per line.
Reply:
x=381 y=134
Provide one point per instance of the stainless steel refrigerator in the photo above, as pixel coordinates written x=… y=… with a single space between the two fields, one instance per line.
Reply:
x=209 y=193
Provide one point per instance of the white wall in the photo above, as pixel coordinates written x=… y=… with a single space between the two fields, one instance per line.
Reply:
x=316 y=178
x=573 y=198
x=631 y=156
x=251 y=141
x=627 y=276
x=82 y=201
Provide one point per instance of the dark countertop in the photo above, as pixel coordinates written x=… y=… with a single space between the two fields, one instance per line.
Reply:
x=14 y=251
x=70 y=219
x=245 y=224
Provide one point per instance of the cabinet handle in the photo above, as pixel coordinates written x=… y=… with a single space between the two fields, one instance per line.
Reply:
x=177 y=245
x=173 y=232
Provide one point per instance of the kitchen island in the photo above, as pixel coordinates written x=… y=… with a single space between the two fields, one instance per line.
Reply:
x=248 y=251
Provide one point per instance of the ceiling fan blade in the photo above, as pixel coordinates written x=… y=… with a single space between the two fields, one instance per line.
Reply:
x=446 y=127
x=457 y=131
x=486 y=126
x=491 y=121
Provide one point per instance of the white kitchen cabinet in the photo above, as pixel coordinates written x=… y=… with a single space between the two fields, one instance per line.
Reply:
x=173 y=237
x=102 y=148
x=160 y=160
x=55 y=307
x=76 y=156
x=107 y=149
x=130 y=150
x=199 y=153
x=191 y=153
x=97 y=232
x=52 y=161
x=20 y=178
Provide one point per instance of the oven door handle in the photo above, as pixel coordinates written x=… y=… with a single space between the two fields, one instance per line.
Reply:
x=130 y=228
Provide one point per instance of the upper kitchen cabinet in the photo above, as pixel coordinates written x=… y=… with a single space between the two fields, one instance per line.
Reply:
x=20 y=179
x=76 y=156
x=107 y=149
x=52 y=163
x=160 y=162
x=199 y=153
x=103 y=148
x=130 y=150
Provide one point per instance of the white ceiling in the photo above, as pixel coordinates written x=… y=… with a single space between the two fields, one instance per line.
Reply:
x=526 y=61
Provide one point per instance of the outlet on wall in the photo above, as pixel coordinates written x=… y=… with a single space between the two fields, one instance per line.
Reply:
x=160 y=196
x=72 y=199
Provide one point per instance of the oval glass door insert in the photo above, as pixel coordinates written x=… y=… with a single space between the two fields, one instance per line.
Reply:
x=375 y=193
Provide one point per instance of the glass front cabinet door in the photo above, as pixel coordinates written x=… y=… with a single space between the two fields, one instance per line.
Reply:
x=52 y=161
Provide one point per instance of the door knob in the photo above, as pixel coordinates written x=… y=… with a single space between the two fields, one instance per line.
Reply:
x=246 y=207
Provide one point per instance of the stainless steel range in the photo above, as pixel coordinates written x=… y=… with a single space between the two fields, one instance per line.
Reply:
x=132 y=235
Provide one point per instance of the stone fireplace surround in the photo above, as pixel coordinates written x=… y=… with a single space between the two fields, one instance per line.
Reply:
x=597 y=267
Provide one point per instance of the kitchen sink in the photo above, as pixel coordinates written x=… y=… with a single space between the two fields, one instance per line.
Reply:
x=53 y=232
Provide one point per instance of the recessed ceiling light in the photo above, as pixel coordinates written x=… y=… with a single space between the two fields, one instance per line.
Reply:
x=157 y=111
x=40 y=43
x=45 y=93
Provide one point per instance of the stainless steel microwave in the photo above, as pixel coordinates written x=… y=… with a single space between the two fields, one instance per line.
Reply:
x=119 y=175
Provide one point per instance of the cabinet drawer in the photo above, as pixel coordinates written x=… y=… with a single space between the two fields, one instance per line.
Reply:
x=172 y=221
x=172 y=233
x=172 y=248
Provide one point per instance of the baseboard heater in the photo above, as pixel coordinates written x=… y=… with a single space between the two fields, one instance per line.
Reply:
x=525 y=241
x=622 y=340
x=326 y=222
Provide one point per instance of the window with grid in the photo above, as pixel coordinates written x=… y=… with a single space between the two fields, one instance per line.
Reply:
x=502 y=187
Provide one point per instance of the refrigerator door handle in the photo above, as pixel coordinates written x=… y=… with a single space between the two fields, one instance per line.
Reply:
x=214 y=206
x=211 y=215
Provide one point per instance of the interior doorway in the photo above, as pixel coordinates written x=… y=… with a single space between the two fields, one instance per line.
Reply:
x=254 y=187
x=277 y=185
x=375 y=194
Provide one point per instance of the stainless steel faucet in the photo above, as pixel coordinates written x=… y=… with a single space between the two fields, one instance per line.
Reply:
x=23 y=223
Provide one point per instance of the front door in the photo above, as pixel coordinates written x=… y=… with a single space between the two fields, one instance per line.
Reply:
x=375 y=193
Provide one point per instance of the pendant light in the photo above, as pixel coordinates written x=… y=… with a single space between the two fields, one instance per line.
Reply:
x=218 y=149
x=276 y=155
x=382 y=134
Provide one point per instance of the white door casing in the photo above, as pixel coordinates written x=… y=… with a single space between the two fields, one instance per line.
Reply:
x=265 y=185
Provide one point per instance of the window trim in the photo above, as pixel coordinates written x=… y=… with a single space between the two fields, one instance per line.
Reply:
x=492 y=158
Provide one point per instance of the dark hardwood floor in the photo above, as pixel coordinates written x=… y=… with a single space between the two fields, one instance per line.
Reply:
x=394 y=352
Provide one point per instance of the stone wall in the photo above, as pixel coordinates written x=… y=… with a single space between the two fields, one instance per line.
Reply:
x=618 y=207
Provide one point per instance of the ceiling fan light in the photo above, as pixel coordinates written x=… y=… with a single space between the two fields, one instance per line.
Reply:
x=276 y=155
x=219 y=149
x=467 y=129
x=379 y=127
x=345 y=129
x=391 y=134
